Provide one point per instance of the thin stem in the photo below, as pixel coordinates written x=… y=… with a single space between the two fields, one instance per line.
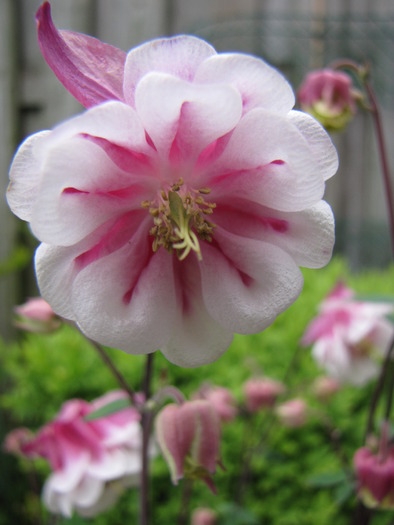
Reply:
x=383 y=158
x=378 y=390
x=110 y=365
x=146 y=422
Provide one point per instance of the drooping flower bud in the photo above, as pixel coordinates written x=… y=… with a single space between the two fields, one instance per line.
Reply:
x=330 y=97
x=262 y=393
x=35 y=315
x=375 y=472
x=189 y=436
x=293 y=413
x=325 y=387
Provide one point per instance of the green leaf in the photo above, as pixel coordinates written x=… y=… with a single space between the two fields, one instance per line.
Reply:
x=327 y=479
x=344 y=491
x=375 y=298
x=232 y=514
x=111 y=408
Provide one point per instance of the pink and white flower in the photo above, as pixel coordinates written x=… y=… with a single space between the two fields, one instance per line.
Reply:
x=221 y=399
x=92 y=461
x=178 y=208
x=350 y=337
x=36 y=315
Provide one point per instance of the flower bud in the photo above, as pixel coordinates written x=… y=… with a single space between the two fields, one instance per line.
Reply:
x=189 y=436
x=16 y=439
x=325 y=387
x=293 y=413
x=330 y=97
x=261 y=393
x=375 y=477
x=203 y=516
x=36 y=316
x=222 y=401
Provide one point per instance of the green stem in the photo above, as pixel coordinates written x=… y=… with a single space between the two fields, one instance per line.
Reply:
x=146 y=422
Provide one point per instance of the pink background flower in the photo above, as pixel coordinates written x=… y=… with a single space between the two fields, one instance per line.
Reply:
x=91 y=461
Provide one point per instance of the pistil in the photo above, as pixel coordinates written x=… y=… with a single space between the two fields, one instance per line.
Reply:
x=180 y=220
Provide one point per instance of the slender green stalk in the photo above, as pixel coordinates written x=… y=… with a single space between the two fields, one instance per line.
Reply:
x=146 y=422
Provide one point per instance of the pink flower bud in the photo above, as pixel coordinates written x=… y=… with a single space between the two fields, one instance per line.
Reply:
x=189 y=436
x=325 y=387
x=203 y=516
x=36 y=316
x=375 y=477
x=329 y=96
x=293 y=413
x=16 y=439
x=222 y=401
x=261 y=393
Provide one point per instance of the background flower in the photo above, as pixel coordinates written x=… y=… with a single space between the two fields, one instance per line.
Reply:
x=350 y=337
x=138 y=217
x=92 y=461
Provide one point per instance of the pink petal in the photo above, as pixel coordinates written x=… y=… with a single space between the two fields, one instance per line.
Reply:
x=89 y=69
x=192 y=116
x=197 y=338
x=267 y=160
x=179 y=56
x=259 y=84
x=257 y=282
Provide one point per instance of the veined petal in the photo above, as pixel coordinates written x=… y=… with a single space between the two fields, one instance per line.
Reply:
x=135 y=311
x=267 y=160
x=89 y=69
x=259 y=84
x=197 y=338
x=192 y=117
x=179 y=56
x=257 y=282
x=80 y=192
x=308 y=236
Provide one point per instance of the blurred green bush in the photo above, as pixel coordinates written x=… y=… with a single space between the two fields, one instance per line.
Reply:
x=296 y=476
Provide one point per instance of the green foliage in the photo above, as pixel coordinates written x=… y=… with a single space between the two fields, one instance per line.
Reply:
x=294 y=477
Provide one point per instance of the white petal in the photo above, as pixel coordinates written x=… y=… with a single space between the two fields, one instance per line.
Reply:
x=259 y=84
x=194 y=114
x=25 y=176
x=179 y=56
x=88 y=492
x=257 y=282
x=319 y=142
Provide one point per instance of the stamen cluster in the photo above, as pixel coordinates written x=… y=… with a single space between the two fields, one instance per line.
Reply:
x=180 y=220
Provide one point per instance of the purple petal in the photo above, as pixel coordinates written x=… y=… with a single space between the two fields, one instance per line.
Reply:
x=89 y=69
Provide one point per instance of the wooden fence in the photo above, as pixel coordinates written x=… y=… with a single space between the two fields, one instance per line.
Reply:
x=294 y=35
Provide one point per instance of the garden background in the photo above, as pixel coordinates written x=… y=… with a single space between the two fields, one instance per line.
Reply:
x=39 y=373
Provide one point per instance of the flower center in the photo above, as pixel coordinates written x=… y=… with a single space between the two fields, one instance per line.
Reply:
x=180 y=220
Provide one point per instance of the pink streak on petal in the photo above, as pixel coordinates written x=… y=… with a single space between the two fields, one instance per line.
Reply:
x=89 y=69
x=117 y=236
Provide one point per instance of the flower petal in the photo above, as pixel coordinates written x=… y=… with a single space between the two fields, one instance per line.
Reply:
x=179 y=56
x=89 y=69
x=196 y=339
x=25 y=174
x=193 y=115
x=257 y=282
x=259 y=84
x=267 y=160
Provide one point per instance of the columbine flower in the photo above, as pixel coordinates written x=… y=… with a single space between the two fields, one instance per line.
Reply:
x=262 y=392
x=330 y=97
x=178 y=210
x=204 y=516
x=189 y=438
x=36 y=315
x=92 y=461
x=350 y=337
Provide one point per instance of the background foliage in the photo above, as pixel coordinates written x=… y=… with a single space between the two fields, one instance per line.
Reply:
x=296 y=475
